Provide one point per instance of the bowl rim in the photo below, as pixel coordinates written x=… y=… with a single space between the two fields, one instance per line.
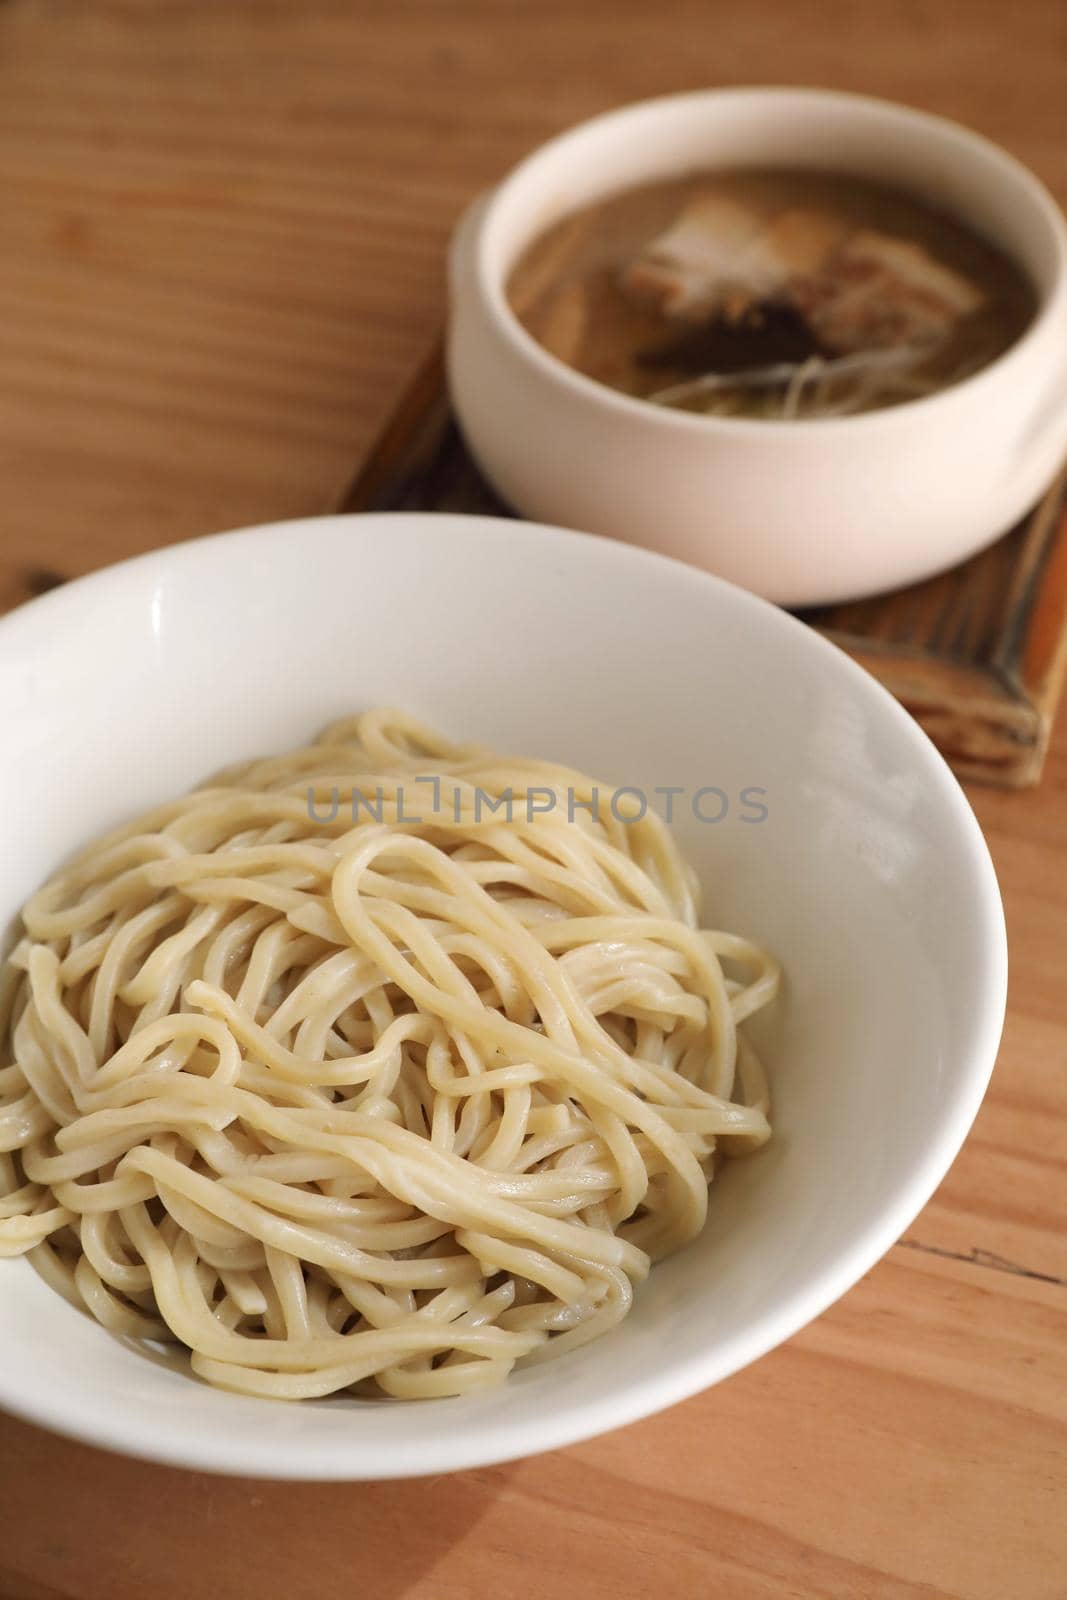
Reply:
x=492 y=1439
x=1052 y=302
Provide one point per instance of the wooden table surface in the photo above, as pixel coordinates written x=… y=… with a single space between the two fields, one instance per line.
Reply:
x=221 y=238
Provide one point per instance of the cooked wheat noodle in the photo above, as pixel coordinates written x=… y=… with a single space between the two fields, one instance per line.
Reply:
x=383 y=1104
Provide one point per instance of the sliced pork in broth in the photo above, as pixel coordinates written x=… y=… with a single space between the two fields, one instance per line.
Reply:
x=773 y=294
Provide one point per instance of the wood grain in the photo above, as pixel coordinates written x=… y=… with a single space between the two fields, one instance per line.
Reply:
x=865 y=1459
x=221 y=239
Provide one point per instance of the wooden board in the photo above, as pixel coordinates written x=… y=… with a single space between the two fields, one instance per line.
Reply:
x=977 y=655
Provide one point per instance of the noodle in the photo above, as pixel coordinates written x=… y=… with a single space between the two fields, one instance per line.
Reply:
x=342 y=1097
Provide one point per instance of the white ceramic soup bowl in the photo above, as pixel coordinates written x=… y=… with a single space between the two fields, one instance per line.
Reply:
x=800 y=512
x=868 y=876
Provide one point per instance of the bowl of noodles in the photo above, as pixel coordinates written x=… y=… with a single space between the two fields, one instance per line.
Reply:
x=467 y=986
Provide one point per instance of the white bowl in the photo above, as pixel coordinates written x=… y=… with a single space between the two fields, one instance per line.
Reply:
x=800 y=512
x=869 y=877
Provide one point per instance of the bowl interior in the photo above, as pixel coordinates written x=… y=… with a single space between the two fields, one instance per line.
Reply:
x=868 y=876
x=938 y=161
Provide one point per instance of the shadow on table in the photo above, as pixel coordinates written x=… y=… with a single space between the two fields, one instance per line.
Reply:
x=79 y=1523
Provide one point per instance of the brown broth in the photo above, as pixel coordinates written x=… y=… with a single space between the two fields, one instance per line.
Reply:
x=567 y=290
